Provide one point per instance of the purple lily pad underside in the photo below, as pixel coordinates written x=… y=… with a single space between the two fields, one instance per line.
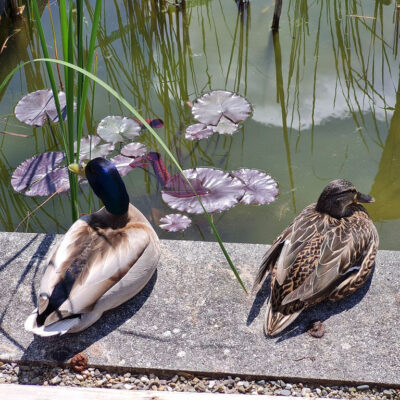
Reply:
x=155 y=123
x=223 y=192
x=35 y=108
x=134 y=150
x=211 y=107
x=35 y=170
x=116 y=129
x=91 y=148
x=175 y=222
x=198 y=131
x=260 y=188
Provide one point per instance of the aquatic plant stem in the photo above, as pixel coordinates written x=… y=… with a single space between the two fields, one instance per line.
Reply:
x=277 y=16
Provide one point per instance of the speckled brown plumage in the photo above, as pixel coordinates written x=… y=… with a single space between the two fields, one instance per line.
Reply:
x=317 y=257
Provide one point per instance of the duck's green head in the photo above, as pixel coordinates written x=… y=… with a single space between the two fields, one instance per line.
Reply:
x=338 y=197
x=106 y=182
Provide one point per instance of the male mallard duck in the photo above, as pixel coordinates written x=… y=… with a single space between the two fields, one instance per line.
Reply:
x=327 y=252
x=103 y=260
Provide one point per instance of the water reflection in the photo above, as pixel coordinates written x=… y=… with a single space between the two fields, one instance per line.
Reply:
x=386 y=186
x=324 y=91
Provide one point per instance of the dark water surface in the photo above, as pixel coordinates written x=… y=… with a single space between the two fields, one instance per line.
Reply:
x=324 y=92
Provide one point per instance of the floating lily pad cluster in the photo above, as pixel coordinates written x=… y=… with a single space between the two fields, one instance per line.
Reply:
x=218 y=111
x=45 y=174
x=218 y=190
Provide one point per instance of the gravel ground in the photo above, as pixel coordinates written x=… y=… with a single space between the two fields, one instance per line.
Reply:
x=93 y=377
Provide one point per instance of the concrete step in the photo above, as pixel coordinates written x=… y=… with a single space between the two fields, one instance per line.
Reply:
x=193 y=316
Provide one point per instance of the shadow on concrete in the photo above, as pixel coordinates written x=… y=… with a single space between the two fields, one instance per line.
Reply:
x=320 y=312
x=34 y=262
x=258 y=303
x=62 y=348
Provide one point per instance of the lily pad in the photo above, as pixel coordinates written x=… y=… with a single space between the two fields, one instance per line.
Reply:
x=198 y=131
x=123 y=164
x=91 y=148
x=225 y=126
x=34 y=108
x=260 y=188
x=211 y=107
x=54 y=181
x=116 y=129
x=222 y=192
x=178 y=186
x=40 y=175
x=175 y=222
x=134 y=150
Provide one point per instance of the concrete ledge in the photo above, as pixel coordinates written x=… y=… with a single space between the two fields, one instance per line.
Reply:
x=193 y=316
x=26 y=392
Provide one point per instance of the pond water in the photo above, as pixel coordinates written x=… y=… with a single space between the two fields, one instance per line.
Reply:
x=324 y=93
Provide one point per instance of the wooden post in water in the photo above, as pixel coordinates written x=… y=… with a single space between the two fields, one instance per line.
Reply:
x=277 y=15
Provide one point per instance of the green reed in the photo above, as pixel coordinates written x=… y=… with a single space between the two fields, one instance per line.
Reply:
x=73 y=50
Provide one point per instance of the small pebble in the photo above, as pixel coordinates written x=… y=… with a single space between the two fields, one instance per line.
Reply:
x=285 y=392
x=55 y=380
x=305 y=391
x=363 y=387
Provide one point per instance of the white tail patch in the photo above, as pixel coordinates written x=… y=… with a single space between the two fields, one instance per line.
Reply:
x=355 y=268
x=58 y=328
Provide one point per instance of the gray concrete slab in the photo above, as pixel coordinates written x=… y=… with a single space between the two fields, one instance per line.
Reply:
x=193 y=316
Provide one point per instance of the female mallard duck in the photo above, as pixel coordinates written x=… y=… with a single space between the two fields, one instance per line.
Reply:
x=103 y=260
x=327 y=252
